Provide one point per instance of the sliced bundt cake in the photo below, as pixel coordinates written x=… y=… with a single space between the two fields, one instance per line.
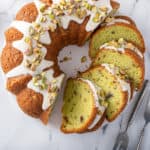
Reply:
x=116 y=91
x=40 y=30
x=126 y=57
x=114 y=32
x=81 y=106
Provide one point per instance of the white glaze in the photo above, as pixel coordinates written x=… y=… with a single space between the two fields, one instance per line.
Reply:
x=95 y=89
x=66 y=19
x=122 y=48
x=117 y=20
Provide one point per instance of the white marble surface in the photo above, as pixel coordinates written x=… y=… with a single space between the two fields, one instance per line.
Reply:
x=18 y=131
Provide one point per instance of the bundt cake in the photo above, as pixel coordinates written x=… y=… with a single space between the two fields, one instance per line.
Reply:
x=126 y=57
x=29 y=60
x=116 y=93
x=40 y=30
x=81 y=106
x=114 y=32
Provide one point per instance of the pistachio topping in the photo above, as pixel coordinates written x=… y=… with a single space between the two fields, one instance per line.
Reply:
x=83 y=59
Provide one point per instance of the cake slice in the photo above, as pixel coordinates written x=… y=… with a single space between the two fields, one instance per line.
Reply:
x=81 y=109
x=114 y=32
x=116 y=92
x=126 y=57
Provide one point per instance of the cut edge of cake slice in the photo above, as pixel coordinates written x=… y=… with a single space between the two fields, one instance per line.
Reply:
x=76 y=118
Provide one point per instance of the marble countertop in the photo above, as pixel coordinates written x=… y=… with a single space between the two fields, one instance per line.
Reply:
x=18 y=131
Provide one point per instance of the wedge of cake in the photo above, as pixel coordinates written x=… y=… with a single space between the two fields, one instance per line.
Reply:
x=116 y=92
x=126 y=57
x=114 y=32
x=81 y=109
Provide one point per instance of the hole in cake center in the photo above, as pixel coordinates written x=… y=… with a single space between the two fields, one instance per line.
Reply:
x=73 y=59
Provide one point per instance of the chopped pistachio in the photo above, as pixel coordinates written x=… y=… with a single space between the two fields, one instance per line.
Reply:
x=37 y=50
x=53 y=94
x=65 y=59
x=109 y=19
x=54 y=81
x=39 y=45
x=52 y=28
x=101 y=93
x=27 y=40
x=81 y=13
x=114 y=43
x=104 y=103
x=36 y=25
x=62 y=2
x=27 y=63
x=51 y=16
x=96 y=18
x=104 y=8
x=130 y=46
x=42 y=8
x=31 y=31
x=43 y=19
x=83 y=59
x=36 y=37
x=94 y=9
x=121 y=41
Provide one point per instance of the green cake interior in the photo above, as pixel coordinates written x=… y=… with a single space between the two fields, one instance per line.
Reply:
x=114 y=32
x=78 y=105
x=113 y=93
x=128 y=66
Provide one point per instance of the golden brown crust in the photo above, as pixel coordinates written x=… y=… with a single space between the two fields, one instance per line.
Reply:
x=44 y=117
x=30 y=102
x=27 y=13
x=115 y=5
x=16 y=84
x=86 y=125
x=11 y=57
x=13 y=34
